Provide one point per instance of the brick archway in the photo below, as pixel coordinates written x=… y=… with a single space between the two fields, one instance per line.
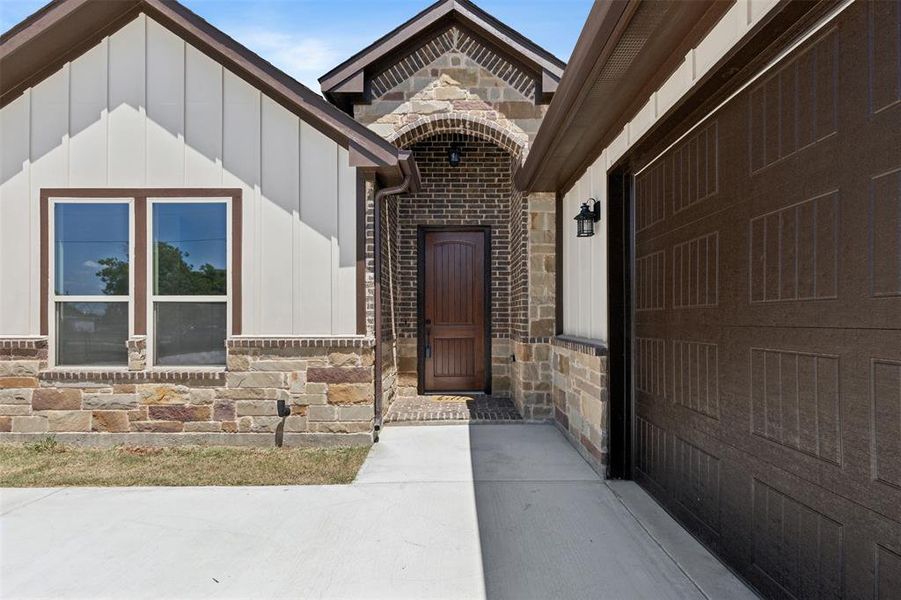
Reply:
x=516 y=143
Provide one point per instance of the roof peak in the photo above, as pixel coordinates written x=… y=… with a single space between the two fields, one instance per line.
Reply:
x=347 y=82
x=65 y=29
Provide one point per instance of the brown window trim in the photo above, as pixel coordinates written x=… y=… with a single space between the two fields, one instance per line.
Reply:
x=140 y=196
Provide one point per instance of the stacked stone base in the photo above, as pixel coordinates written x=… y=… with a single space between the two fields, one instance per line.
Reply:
x=580 y=397
x=327 y=383
x=532 y=383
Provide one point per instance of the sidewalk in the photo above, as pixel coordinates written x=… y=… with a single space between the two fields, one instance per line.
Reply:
x=506 y=511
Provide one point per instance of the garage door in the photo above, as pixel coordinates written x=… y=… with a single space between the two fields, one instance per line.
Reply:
x=767 y=299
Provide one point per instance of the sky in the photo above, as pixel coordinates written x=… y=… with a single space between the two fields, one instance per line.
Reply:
x=306 y=38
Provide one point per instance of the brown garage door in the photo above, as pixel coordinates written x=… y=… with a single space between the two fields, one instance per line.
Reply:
x=767 y=350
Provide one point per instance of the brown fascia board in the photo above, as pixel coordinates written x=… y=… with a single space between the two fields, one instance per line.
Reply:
x=787 y=21
x=64 y=29
x=598 y=38
x=562 y=152
x=345 y=78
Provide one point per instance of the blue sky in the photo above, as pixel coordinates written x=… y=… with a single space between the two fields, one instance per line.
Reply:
x=308 y=37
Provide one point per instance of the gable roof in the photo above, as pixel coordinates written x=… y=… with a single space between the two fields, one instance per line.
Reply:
x=346 y=83
x=64 y=29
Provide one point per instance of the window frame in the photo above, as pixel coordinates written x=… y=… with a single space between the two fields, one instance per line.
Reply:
x=54 y=299
x=140 y=304
x=153 y=297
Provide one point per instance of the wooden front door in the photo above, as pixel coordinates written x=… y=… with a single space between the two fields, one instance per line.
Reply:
x=454 y=342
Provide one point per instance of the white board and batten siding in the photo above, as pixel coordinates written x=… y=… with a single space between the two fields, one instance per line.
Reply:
x=585 y=260
x=145 y=109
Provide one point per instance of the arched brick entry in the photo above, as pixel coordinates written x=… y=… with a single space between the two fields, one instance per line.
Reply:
x=516 y=143
x=479 y=192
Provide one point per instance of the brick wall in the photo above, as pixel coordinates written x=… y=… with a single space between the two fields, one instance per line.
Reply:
x=477 y=192
x=388 y=277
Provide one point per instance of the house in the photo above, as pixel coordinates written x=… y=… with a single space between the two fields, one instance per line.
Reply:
x=204 y=228
x=192 y=243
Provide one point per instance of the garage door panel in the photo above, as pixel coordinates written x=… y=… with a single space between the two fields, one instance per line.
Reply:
x=885 y=89
x=796 y=527
x=885 y=235
x=808 y=398
x=767 y=359
x=785 y=532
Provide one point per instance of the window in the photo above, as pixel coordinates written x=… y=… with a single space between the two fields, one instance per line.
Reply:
x=156 y=264
x=91 y=275
x=189 y=282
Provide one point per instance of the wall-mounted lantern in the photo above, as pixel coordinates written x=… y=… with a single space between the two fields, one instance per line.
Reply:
x=454 y=155
x=587 y=217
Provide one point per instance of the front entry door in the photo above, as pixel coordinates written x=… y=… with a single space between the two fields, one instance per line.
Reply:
x=454 y=341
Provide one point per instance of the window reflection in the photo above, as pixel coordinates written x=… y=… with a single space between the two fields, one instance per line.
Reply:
x=189 y=249
x=91 y=249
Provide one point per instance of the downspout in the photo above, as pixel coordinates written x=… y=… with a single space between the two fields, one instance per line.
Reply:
x=379 y=196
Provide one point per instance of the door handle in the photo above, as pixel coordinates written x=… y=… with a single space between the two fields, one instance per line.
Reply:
x=427 y=351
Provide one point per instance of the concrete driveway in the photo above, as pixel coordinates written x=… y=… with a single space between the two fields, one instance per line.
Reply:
x=484 y=511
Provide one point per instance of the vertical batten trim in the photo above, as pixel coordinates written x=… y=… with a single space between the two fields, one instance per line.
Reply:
x=184 y=112
x=146 y=115
x=297 y=240
x=259 y=208
x=336 y=246
x=34 y=222
x=106 y=42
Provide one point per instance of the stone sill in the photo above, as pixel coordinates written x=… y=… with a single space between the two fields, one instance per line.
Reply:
x=197 y=377
x=300 y=342
x=579 y=344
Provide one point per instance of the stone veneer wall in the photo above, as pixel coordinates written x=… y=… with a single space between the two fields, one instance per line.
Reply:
x=581 y=396
x=532 y=365
x=327 y=382
x=453 y=74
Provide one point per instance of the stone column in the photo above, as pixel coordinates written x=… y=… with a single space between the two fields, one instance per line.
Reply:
x=532 y=375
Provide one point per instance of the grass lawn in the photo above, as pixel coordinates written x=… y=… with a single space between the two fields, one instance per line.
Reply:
x=50 y=464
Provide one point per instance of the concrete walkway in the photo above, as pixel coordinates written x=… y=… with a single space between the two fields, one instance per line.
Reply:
x=506 y=511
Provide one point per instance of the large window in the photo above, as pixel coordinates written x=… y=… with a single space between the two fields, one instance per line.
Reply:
x=156 y=264
x=91 y=282
x=190 y=282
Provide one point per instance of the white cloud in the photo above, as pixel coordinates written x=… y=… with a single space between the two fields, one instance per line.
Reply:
x=91 y=264
x=304 y=58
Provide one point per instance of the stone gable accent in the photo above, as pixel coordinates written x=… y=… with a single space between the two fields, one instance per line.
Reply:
x=454 y=87
x=459 y=42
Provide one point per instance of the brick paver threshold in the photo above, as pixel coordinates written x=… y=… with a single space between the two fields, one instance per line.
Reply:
x=437 y=409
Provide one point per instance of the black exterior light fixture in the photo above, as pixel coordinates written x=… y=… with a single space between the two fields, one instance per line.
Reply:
x=454 y=155
x=587 y=217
